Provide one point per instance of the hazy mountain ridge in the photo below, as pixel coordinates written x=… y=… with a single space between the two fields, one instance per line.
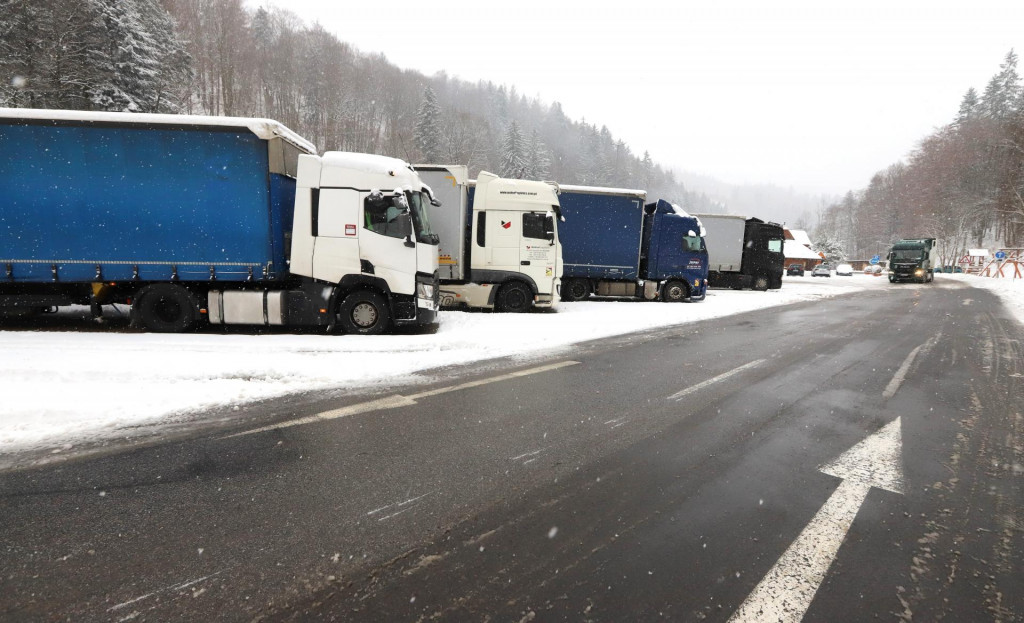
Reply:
x=787 y=206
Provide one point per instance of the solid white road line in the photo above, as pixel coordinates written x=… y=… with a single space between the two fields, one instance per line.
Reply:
x=395 y=401
x=711 y=381
x=787 y=590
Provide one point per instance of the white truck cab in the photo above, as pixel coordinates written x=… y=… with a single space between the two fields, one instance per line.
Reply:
x=362 y=228
x=499 y=246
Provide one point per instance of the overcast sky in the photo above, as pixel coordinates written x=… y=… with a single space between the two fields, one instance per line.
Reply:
x=814 y=95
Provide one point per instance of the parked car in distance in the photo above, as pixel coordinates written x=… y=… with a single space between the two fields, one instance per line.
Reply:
x=873 y=269
x=844 y=269
x=821 y=271
x=795 y=269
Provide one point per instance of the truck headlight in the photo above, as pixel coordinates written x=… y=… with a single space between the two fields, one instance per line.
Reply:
x=919 y=272
x=425 y=290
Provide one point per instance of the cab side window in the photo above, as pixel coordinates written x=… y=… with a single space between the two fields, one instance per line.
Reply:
x=693 y=243
x=539 y=226
x=386 y=216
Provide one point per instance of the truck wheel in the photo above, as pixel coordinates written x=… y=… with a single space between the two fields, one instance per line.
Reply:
x=761 y=283
x=575 y=290
x=364 y=313
x=674 y=291
x=165 y=308
x=515 y=297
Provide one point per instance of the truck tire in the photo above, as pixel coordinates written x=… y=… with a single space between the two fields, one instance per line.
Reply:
x=575 y=289
x=514 y=297
x=165 y=308
x=674 y=291
x=364 y=313
x=761 y=283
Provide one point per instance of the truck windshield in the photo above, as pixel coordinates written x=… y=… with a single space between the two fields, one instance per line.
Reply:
x=419 y=202
x=906 y=254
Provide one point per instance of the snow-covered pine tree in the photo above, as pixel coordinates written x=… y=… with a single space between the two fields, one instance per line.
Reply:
x=968 y=107
x=538 y=162
x=428 y=127
x=645 y=174
x=513 y=152
x=138 y=56
x=44 y=53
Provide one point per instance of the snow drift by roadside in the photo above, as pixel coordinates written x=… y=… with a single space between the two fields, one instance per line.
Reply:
x=63 y=387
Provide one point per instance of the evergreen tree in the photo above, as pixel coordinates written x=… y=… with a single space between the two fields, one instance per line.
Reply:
x=1003 y=90
x=513 y=152
x=968 y=107
x=91 y=54
x=538 y=161
x=428 y=128
x=646 y=172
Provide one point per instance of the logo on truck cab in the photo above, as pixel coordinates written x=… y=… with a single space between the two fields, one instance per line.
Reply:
x=506 y=224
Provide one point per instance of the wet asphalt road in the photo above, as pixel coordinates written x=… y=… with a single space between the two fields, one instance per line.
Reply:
x=657 y=476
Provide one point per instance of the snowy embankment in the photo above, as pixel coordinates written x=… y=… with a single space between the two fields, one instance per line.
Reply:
x=65 y=387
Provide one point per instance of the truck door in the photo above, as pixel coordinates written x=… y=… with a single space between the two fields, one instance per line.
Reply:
x=504 y=233
x=538 y=253
x=386 y=240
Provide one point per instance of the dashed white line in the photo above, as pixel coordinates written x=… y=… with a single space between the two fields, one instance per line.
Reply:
x=711 y=381
x=176 y=587
x=495 y=379
x=396 y=401
x=901 y=374
x=398 y=504
x=524 y=455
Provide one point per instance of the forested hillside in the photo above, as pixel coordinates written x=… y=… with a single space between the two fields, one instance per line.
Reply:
x=216 y=57
x=963 y=184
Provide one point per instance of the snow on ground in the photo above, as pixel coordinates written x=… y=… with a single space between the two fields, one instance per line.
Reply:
x=64 y=387
x=1010 y=291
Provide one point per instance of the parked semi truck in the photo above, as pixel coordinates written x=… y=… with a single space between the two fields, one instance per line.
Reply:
x=615 y=244
x=192 y=219
x=499 y=245
x=911 y=260
x=743 y=252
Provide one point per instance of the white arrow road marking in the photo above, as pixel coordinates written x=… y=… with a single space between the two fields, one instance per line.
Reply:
x=711 y=381
x=395 y=401
x=786 y=591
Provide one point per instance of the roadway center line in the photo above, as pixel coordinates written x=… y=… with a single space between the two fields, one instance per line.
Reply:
x=395 y=401
x=901 y=374
x=711 y=381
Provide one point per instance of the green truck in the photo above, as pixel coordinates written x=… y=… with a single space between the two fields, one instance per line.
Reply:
x=911 y=260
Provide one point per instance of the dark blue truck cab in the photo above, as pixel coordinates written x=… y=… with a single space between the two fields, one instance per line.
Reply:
x=615 y=244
